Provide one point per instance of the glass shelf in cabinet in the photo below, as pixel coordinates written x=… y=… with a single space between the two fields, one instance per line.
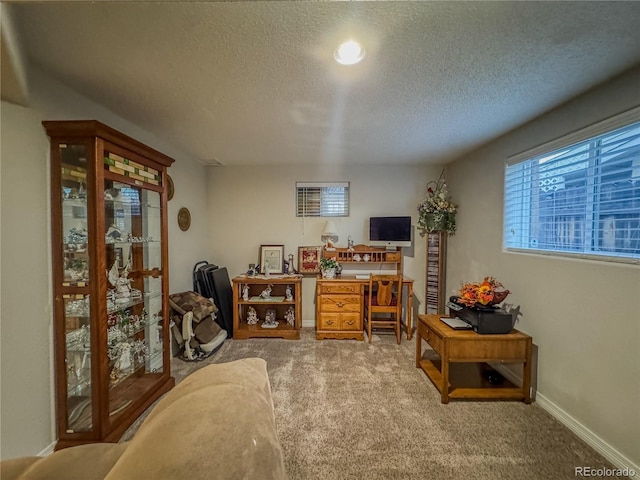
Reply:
x=138 y=363
x=113 y=307
x=121 y=204
x=76 y=306
x=78 y=340
x=134 y=241
x=129 y=324
x=155 y=354
x=74 y=201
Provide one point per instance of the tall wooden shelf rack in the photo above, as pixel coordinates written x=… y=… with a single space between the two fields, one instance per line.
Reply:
x=435 y=275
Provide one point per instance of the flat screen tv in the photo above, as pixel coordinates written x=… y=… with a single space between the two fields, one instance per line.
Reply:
x=390 y=231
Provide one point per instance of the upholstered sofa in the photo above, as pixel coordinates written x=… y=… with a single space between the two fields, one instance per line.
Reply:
x=217 y=423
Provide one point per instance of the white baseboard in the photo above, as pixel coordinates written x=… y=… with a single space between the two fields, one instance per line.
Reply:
x=48 y=451
x=309 y=323
x=590 y=438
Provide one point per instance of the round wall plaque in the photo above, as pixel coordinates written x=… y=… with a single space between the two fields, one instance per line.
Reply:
x=184 y=219
x=170 y=187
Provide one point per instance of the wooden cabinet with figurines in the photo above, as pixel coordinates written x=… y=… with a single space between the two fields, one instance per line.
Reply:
x=267 y=306
x=110 y=279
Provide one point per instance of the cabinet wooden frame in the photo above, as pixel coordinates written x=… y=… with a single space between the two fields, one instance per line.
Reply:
x=88 y=159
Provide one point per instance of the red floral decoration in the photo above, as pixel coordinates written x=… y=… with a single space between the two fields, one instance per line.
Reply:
x=489 y=292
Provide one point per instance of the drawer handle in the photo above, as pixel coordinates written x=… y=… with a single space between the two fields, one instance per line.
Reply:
x=350 y=322
x=340 y=304
x=329 y=322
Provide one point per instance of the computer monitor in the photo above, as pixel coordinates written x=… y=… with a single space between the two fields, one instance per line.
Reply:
x=390 y=231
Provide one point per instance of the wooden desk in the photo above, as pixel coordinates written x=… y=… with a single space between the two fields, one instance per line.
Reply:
x=466 y=346
x=340 y=307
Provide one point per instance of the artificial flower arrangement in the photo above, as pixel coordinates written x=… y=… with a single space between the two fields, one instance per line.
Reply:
x=437 y=212
x=489 y=292
x=329 y=267
x=327 y=263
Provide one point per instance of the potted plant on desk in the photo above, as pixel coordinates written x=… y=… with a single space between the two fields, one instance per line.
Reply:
x=328 y=267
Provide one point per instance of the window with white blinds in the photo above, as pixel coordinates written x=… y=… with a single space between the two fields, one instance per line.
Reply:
x=322 y=199
x=579 y=195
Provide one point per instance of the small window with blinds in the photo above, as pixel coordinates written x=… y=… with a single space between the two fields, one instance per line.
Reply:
x=322 y=199
x=579 y=195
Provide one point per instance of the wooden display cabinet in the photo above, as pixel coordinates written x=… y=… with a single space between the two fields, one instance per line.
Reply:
x=248 y=295
x=110 y=279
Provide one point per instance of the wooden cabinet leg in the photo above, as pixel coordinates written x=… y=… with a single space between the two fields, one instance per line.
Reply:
x=409 y=311
x=444 y=367
x=526 y=374
x=445 y=381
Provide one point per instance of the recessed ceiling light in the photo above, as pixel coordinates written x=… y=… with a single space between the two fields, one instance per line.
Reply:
x=349 y=53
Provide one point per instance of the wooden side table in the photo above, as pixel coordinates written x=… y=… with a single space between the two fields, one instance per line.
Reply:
x=466 y=346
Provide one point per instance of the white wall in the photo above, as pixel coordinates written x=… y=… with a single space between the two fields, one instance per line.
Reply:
x=250 y=206
x=26 y=396
x=25 y=315
x=584 y=316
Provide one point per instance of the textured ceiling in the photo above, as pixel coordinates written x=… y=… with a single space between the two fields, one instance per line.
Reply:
x=241 y=83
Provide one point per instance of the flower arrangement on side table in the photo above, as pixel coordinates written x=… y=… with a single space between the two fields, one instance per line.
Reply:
x=437 y=212
x=485 y=294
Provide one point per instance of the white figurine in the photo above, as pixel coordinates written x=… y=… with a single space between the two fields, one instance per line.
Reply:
x=290 y=316
x=350 y=243
x=252 y=316
x=121 y=283
x=289 y=294
x=266 y=293
x=245 y=293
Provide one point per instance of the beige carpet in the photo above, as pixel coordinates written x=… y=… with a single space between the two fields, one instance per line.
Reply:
x=354 y=410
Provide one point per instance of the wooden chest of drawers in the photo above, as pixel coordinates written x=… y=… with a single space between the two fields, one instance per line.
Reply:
x=339 y=309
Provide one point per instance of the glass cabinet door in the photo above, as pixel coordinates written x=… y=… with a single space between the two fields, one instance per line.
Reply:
x=133 y=233
x=110 y=279
x=75 y=286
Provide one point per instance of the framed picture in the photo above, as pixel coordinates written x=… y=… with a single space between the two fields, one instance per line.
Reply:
x=309 y=260
x=271 y=257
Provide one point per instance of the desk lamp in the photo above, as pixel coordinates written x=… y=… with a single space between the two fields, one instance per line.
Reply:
x=329 y=235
